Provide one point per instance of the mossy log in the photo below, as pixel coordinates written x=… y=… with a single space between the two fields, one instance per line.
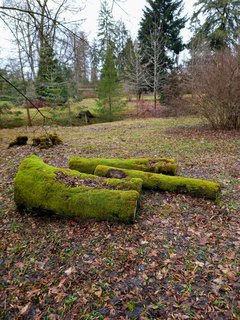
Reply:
x=195 y=187
x=41 y=187
x=158 y=165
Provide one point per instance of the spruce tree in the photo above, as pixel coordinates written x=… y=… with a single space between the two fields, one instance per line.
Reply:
x=106 y=29
x=165 y=15
x=50 y=83
x=109 y=89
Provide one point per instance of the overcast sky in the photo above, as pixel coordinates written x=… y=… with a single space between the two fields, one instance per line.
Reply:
x=131 y=12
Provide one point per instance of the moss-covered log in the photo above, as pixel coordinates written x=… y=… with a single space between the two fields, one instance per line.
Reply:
x=195 y=187
x=158 y=165
x=38 y=186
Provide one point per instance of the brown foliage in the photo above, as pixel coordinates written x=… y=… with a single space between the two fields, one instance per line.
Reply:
x=216 y=87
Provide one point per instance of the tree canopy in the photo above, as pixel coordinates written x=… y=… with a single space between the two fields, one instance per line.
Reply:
x=166 y=16
x=217 y=22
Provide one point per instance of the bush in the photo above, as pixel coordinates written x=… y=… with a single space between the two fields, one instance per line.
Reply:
x=105 y=114
x=5 y=107
x=216 y=87
x=176 y=95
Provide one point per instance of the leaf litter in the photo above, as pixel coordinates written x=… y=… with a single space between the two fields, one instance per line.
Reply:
x=180 y=260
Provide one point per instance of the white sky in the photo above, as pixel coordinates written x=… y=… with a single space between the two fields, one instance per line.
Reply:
x=133 y=8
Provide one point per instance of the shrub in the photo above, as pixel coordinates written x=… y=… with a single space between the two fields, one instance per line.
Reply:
x=216 y=87
x=5 y=107
x=176 y=95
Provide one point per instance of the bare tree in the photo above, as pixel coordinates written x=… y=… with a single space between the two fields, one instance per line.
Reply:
x=134 y=73
x=81 y=59
x=154 y=67
x=32 y=23
x=216 y=87
x=94 y=61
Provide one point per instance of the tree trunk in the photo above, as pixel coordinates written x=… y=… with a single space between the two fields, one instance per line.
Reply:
x=38 y=186
x=195 y=187
x=157 y=165
x=29 y=120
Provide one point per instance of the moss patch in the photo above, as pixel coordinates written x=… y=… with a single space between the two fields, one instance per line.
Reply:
x=158 y=165
x=19 y=141
x=46 y=141
x=36 y=187
x=195 y=187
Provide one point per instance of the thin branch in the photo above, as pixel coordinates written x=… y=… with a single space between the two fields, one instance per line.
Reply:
x=22 y=94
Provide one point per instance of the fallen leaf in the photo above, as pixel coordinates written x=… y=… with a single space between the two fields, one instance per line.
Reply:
x=199 y=264
x=25 y=309
x=69 y=271
x=98 y=293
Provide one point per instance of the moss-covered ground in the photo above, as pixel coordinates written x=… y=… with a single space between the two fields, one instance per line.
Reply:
x=180 y=260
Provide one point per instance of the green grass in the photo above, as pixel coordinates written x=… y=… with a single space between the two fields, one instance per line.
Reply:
x=62 y=115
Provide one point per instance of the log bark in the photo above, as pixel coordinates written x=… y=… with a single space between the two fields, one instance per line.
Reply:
x=194 y=187
x=157 y=165
x=41 y=187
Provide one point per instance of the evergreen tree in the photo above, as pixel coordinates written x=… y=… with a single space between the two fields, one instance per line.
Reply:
x=94 y=61
x=127 y=59
x=165 y=15
x=122 y=41
x=106 y=27
x=109 y=88
x=50 y=84
x=221 y=23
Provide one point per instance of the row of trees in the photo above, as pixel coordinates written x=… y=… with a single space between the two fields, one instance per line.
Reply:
x=56 y=62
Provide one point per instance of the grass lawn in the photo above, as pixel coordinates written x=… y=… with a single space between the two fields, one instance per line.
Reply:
x=180 y=260
x=67 y=115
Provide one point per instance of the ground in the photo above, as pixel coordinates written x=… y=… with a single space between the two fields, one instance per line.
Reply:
x=180 y=260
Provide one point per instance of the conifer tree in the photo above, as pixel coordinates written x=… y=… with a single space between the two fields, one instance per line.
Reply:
x=106 y=27
x=166 y=16
x=216 y=22
x=50 y=84
x=109 y=88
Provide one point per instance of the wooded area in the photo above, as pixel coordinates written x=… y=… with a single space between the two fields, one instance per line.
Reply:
x=56 y=65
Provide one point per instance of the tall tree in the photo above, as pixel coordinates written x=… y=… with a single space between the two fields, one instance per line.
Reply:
x=167 y=16
x=133 y=72
x=106 y=29
x=122 y=39
x=81 y=58
x=94 y=61
x=50 y=84
x=216 y=22
x=154 y=55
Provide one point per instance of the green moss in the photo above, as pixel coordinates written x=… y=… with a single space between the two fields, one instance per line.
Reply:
x=195 y=187
x=36 y=188
x=158 y=165
x=19 y=141
x=46 y=141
